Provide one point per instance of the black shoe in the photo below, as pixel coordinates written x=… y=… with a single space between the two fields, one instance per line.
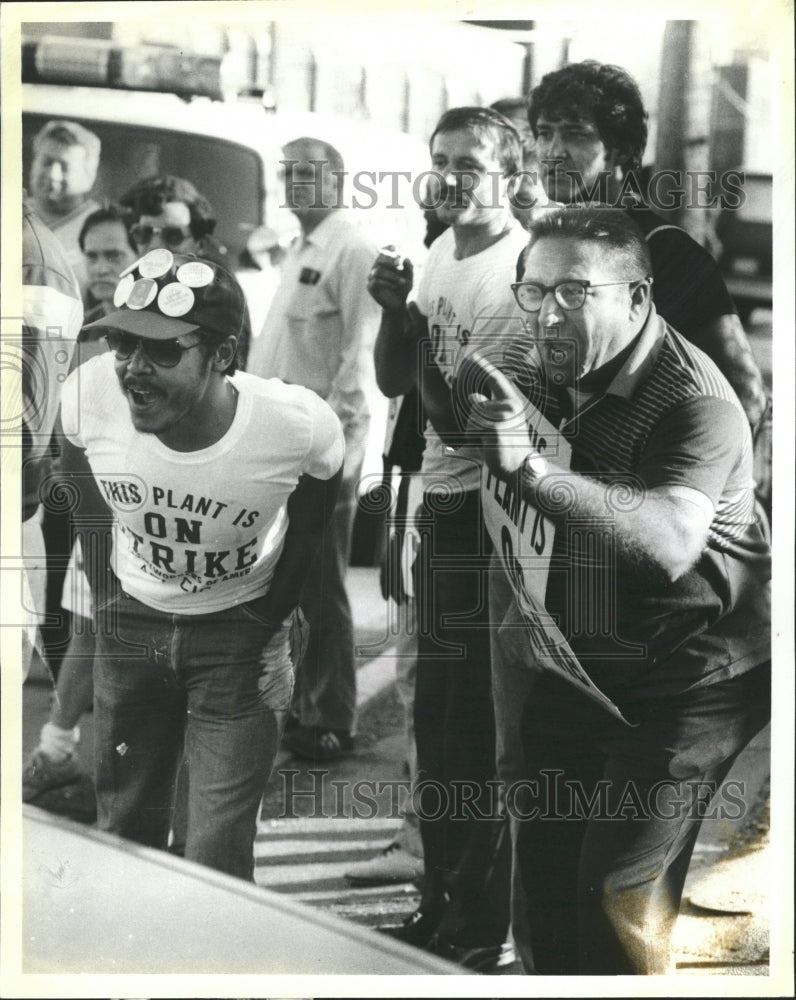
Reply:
x=317 y=743
x=496 y=958
x=418 y=928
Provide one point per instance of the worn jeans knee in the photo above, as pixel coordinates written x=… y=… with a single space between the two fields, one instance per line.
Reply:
x=220 y=682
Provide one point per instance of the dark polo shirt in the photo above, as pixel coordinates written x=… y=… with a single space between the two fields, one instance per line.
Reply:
x=668 y=418
x=689 y=289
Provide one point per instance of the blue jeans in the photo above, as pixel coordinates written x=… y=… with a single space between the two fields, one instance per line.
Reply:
x=604 y=817
x=218 y=683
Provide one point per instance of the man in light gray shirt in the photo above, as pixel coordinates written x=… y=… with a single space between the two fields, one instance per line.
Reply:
x=319 y=333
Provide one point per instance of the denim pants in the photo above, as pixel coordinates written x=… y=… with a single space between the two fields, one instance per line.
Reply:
x=604 y=816
x=465 y=842
x=216 y=685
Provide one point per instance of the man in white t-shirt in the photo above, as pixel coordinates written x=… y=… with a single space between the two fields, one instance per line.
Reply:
x=463 y=297
x=218 y=484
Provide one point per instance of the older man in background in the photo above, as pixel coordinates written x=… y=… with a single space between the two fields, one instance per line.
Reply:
x=319 y=333
x=65 y=161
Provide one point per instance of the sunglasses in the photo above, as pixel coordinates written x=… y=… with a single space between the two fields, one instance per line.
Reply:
x=163 y=353
x=172 y=236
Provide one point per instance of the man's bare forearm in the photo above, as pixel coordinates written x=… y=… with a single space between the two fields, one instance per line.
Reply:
x=653 y=533
x=726 y=343
x=396 y=353
x=310 y=509
x=91 y=518
x=437 y=398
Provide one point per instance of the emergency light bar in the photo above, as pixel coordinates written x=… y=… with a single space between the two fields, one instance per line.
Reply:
x=91 y=62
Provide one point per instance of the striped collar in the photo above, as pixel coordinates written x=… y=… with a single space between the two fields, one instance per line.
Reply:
x=642 y=359
x=635 y=369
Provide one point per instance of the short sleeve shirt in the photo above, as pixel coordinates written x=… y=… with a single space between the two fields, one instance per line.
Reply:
x=322 y=323
x=465 y=301
x=680 y=425
x=197 y=532
x=688 y=288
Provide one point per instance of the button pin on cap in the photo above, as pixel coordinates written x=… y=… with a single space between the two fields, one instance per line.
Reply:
x=142 y=293
x=156 y=263
x=175 y=299
x=123 y=289
x=195 y=274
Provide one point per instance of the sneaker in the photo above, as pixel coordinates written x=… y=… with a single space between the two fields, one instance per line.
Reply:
x=393 y=864
x=497 y=959
x=318 y=743
x=41 y=774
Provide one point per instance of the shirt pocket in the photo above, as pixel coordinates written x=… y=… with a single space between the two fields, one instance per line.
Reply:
x=309 y=302
x=316 y=335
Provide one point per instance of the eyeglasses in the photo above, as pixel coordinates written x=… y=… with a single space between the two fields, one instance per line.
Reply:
x=163 y=353
x=570 y=294
x=173 y=236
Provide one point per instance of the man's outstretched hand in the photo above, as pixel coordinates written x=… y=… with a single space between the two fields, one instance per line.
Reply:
x=498 y=419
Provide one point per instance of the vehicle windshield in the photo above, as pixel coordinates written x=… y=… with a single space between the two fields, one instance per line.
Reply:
x=228 y=175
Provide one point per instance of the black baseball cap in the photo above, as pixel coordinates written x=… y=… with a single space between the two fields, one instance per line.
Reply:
x=165 y=295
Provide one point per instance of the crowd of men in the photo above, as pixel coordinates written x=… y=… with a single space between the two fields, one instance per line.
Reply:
x=592 y=582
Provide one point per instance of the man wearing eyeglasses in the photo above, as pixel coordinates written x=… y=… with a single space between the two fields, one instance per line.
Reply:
x=212 y=538
x=590 y=127
x=657 y=584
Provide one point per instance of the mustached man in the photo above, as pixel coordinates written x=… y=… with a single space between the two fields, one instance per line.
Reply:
x=218 y=482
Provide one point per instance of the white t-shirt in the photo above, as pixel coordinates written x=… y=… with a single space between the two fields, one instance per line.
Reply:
x=197 y=532
x=465 y=301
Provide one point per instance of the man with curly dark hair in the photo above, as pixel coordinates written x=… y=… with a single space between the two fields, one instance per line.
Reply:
x=182 y=208
x=590 y=127
x=588 y=119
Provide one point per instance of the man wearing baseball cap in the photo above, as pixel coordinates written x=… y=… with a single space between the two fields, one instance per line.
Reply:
x=218 y=482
